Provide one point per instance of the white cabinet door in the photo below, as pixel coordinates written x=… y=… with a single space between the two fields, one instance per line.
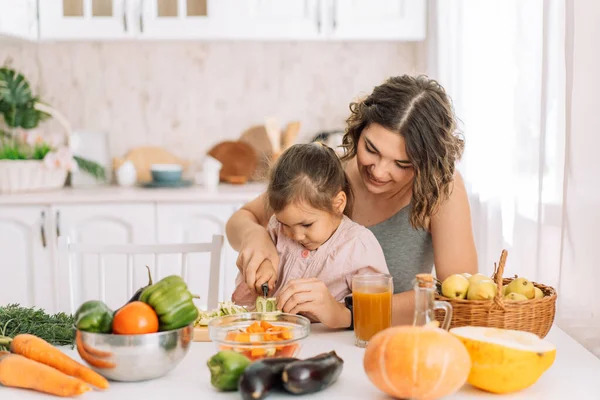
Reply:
x=106 y=224
x=179 y=19
x=231 y=19
x=18 y=18
x=273 y=19
x=26 y=246
x=186 y=223
x=378 y=20
x=86 y=19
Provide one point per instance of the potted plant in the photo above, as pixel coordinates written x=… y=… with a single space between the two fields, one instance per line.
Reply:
x=28 y=160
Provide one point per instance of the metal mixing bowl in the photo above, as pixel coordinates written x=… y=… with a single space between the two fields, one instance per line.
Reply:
x=131 y=358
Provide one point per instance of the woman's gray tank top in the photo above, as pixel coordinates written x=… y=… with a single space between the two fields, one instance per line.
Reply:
x=407 y=251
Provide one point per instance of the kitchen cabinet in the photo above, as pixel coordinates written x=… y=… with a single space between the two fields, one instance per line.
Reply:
x=103 y=224
x=27 y=248
x=380 y=20
x=18 y=19
x=272 y=19
x=86 y=19
x=232 y=19
x=31 y=226
x=194 y=222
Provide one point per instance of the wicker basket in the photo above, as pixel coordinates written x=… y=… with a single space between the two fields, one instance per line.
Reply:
x=535 y=315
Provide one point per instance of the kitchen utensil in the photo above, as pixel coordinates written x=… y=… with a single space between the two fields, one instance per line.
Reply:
x=265 y=289
x=201 y=334
x=166 y=172
x=173 y=184
x=260 y=345
x=132 y=358
x=144 y=157
x=126 y=174
x=211 y=168
x=290 y=134
x=238 y=159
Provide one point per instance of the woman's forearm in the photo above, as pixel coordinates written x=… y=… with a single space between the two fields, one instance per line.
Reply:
x=403 y=308
x=238 y=227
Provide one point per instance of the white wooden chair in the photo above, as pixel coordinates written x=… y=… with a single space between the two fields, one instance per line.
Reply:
x=68 y=256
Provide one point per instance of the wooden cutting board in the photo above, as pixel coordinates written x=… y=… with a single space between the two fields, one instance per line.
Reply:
x=201 y=334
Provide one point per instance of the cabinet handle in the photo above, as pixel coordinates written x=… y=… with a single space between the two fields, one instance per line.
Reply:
x=142 y=16
x=57 y=224
x=333 y=14
x=319 y=16
x=125 y=16
x=42 y=229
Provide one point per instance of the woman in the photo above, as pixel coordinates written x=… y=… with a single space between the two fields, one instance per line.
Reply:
x=400 y=154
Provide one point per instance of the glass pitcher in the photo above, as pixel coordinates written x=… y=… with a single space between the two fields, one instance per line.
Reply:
x=425 y=303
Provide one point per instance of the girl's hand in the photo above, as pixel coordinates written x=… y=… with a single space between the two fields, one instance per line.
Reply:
x=256 y=248
x=312 y=298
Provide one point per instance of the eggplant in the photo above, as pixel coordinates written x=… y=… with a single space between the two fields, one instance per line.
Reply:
x=312 y=374
x=138 y=293
x=262 y=377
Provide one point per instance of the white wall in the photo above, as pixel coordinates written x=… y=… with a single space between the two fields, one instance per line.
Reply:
x=187 y=96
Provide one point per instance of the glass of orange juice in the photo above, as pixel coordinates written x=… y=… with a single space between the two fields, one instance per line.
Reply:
x=371 y=305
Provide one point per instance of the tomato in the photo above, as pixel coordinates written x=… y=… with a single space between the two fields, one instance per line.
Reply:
x=135 y=318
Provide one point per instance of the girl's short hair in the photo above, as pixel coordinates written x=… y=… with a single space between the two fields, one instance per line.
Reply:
x=417 y=108
x=310 y=173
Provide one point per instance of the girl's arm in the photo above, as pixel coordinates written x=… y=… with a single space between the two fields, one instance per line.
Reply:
x=246 y=232
x=452 y=234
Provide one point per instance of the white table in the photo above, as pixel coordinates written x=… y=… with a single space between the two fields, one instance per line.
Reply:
x=574 y=375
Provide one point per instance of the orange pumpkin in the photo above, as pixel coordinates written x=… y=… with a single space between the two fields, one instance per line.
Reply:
x=416 y=362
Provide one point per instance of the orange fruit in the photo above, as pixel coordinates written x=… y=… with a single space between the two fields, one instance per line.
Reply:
x=135 y=318
x=416 y=362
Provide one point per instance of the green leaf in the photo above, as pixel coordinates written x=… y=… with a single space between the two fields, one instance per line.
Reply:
x=29 y=118
x=14 y=88
x=94 y=169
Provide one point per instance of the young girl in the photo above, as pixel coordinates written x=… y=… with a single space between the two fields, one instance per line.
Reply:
x=309 y=196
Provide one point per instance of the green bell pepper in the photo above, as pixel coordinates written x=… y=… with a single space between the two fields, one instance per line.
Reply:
x=172 y=302
x=94 y=316
x=226 y=367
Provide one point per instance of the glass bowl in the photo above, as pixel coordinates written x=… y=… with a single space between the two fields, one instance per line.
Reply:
x=260 y=335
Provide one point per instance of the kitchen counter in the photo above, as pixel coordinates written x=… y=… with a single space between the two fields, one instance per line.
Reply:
x=574 y=375
x=106 y=194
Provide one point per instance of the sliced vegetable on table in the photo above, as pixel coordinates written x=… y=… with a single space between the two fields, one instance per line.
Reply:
x=38 y=350
x=21 y=372
x=252 y=341
x=226 y=367
x=172 y=302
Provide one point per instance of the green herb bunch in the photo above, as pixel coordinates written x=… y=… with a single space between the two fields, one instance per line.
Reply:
x=57 y=329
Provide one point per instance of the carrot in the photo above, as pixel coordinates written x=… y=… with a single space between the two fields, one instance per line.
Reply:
x=20 y=372
x=39 y=350
x=90 y=350
x=89 y=357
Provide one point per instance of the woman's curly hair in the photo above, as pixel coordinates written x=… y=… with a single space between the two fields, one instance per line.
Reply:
x=418 y=109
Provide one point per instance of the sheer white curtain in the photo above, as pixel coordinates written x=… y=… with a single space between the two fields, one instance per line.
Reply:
x=507 y=65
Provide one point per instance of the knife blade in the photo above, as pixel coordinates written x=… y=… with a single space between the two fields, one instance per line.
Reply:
x=265 y=289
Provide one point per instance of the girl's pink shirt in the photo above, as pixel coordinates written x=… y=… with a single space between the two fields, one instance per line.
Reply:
x=351 y=250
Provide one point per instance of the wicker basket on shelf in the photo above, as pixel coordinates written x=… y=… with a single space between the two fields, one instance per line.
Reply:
x=535 y=315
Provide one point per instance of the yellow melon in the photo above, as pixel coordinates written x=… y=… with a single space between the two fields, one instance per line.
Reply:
x=503 y=360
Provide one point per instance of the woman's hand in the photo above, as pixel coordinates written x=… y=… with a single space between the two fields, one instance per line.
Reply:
x=258 y=259
x=312 y=298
